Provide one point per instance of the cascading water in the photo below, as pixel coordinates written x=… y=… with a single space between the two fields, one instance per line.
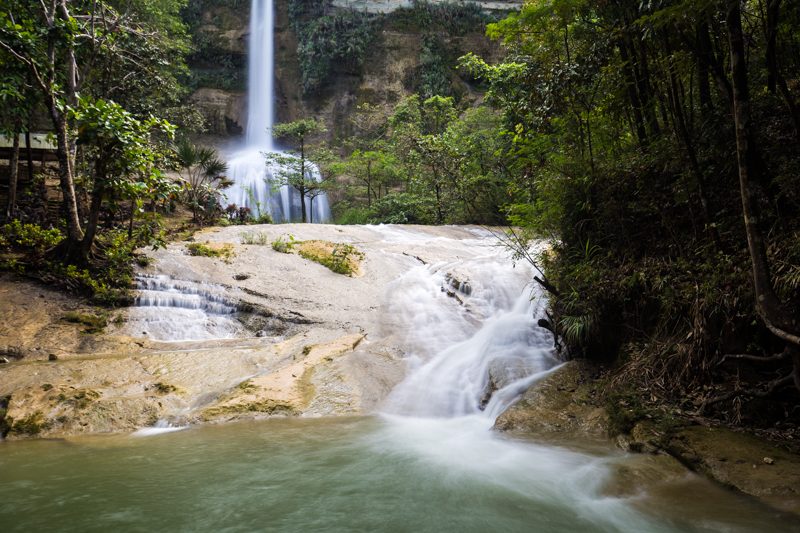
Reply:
x=476 y=357
x=474 y=347
x=167 y=309
x=255 y=184
x=429 y=463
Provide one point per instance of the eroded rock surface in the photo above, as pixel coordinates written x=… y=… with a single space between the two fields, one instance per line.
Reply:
x=309 y=341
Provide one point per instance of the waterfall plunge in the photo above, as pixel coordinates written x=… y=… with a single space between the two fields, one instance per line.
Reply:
x=255 y=185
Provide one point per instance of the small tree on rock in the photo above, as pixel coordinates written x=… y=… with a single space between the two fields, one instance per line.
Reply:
x=293 y=168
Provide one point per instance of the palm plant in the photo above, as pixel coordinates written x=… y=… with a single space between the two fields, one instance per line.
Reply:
x=203 y=175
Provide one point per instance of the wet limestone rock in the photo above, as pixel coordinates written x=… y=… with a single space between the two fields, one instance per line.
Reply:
x=288 y=390
x=224 y=111
x=562 y=403
x=738 y=460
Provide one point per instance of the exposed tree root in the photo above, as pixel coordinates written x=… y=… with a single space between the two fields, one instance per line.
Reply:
x=755 y=358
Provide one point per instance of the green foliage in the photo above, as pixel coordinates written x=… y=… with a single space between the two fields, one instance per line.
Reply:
x=212 y=63
x=435 y=70
x=354 y=215
x=342 y=258
x=29 y=237
x=31 y=425
x=198 y=249
x=400 y=208
x=294 y=168
x=284 y=245
x=455 y=18
x=203 y=175
x=328 y=42
x=92 y=323
x=614 y=141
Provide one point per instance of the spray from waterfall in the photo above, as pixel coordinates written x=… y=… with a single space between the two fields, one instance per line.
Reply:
x=255 y=184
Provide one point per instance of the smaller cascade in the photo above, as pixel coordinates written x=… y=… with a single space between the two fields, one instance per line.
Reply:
x=167 y=309
x=476 y=355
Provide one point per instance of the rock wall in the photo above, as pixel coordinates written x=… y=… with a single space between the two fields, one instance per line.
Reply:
x=387 y=6
x=387 y=76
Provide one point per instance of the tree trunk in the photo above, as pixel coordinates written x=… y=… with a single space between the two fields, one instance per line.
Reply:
x=778 y=319
x=773 y=16
x=685 y=138
x=131 y=219
x=13 y=178
x=633 y=95
x=302 y=188
x=703 y=83
x=74 y=231
x=93 y=223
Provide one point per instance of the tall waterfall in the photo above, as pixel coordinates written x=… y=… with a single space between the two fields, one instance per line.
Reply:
x=261 y=67
x=255 y=183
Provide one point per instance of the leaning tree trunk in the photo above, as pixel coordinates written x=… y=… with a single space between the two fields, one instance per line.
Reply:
x=778 y=318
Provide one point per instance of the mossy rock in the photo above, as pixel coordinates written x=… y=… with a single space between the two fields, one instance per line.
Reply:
x=269 y=407
x=31 y=425
x=164 y=388
x=92 y=323
x=222 y=251
x=337 y=257
x=79 y=398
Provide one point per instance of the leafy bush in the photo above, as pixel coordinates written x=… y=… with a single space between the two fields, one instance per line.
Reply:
x=339 y=257
x=284 y=246
x=399 y=208
x=29 y=237
x=204 y=250
x=354 y=215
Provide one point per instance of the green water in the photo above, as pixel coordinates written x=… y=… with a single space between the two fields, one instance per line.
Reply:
x=361 y=474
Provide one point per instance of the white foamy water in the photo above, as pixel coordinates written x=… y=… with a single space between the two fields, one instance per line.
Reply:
x=160 y=428
x=473 y=345
x=167 y=309
x=466 y=344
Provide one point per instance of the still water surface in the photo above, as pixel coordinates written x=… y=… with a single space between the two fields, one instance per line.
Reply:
x=358 y=474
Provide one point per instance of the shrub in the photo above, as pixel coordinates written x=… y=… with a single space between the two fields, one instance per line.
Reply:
x=341 y=39
x=197 y=249
x=284 y=246
x=30 y=237
x=340 y=258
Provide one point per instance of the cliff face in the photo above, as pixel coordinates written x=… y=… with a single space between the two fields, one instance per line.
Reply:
x=387 y=6
x=389 y=72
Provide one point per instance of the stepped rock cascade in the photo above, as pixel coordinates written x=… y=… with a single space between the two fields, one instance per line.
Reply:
x=474 y=358
x=167 y=309
x=255 y=183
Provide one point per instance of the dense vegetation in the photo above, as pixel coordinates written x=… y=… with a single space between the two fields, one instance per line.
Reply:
x=654 y=145
x=97 y=75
